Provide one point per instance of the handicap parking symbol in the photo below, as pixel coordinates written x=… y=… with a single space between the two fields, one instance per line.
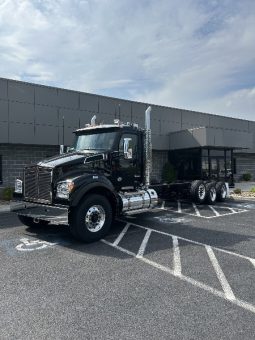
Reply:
x=31 y=245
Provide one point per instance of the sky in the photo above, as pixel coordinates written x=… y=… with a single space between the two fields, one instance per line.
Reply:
x=190 y=54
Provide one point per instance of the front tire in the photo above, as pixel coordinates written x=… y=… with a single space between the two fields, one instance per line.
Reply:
x=29 y=222
x=92 y=219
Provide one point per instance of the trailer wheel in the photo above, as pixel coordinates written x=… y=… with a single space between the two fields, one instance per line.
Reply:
x=92 y=219
x=198 y=191
x=211 y=193
x=221 y=191
x=29 y=222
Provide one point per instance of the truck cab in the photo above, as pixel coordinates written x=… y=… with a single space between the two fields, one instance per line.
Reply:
x=105 y=174
x=98 y=178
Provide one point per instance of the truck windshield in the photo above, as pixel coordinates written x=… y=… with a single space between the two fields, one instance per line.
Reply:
x=95 y=141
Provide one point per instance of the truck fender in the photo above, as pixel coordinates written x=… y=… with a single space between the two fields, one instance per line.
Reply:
x=81 y=192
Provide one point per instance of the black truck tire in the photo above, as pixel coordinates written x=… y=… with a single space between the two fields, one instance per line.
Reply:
x=211 y=193
x=91 y=219
x=198 y=191
x=29 y=222
x=221 y=191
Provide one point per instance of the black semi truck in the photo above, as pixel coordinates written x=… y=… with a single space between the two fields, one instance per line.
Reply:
x=104 y=175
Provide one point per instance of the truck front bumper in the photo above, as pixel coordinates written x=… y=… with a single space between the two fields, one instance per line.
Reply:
x=37 y=211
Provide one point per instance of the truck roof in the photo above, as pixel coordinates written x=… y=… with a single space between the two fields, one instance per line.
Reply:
x=108 y=126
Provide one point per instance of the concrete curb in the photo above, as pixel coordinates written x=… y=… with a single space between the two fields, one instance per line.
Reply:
x=238 y=198
x=4 y=209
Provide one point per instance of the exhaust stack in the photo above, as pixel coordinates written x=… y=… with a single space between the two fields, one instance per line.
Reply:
x=147 y=148
x=93 y=120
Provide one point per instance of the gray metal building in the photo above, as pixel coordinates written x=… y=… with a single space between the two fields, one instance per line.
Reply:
x=36 y=119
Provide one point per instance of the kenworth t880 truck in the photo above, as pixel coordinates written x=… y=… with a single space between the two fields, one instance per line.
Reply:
x=104 y=175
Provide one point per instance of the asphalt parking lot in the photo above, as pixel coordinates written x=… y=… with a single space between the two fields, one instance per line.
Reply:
x=183 y=272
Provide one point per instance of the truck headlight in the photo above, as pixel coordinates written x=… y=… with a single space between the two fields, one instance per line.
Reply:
x=18 y=186
x=64 y=188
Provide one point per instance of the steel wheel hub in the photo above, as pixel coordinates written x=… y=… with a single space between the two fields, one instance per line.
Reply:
x=201 y=192
x=213 y=194
x=95 y=218
x=223 y=192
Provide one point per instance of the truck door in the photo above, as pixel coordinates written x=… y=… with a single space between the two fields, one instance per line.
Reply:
x=129 y=163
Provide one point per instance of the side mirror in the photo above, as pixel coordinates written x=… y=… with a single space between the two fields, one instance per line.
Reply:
x=128 y=149
x=69 y=149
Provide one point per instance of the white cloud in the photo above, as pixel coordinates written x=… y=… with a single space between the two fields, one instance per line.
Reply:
x=190 y=54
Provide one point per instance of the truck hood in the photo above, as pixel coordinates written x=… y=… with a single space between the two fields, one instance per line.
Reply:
x=65 y=159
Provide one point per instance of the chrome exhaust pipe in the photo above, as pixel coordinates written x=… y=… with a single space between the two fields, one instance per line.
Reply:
x=93 y=120
x=147 y=148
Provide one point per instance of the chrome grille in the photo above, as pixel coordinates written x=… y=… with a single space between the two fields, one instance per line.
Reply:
x=37 y=184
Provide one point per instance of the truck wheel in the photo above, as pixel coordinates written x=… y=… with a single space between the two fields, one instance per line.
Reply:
x=221 y=191
x=198 y=191
x=29 y=222
x=92 y=219
x=211 y=194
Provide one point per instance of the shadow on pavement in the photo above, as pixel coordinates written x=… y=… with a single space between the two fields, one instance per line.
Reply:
x=62 y=236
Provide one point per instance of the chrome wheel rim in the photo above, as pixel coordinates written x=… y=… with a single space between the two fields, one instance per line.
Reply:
x=213 y=194
x=95 y=218
x=201 y=192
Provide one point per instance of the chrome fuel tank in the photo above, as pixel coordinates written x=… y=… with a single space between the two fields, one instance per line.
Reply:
x=136 y=200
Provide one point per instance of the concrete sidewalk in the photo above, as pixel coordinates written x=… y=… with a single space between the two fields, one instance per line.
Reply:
x=4 y=207
x=244 y=186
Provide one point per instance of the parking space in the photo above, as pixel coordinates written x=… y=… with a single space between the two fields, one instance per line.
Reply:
x=173 y=273
x=203 y=211
x=194 y=262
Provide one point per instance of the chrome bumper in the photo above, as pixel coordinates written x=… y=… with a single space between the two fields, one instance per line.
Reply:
x=53 y=214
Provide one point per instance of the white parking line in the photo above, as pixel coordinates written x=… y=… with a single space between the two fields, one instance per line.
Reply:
x=119 y=238
x=192 y=241
x=196 y=209
x=177 y=257
x=221 y=276
x=227 y=293
x=144 y=243
x=213 y=209
x=253 y=262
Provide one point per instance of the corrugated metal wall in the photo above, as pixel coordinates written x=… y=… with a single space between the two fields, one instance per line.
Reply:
x=33 y=114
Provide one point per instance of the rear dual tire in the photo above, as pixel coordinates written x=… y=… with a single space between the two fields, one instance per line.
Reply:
x=208 y=192
x=198 y=191
x=221 y=191
x=211 y=193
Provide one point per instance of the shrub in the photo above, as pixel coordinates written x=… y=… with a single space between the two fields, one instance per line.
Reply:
x=247 y=177
x=253 y=190
x=237 y=191
x=168 y=173
x=7 y=193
